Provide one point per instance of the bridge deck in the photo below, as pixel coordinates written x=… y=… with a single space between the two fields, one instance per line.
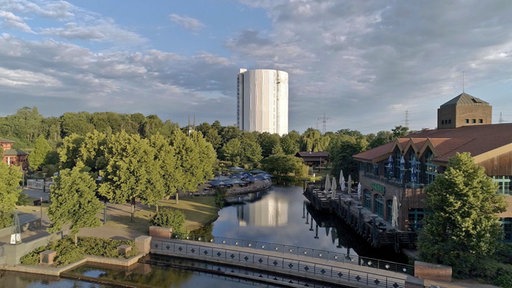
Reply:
x=295 y=266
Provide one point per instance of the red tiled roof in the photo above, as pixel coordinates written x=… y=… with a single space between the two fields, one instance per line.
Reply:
x=477 y=140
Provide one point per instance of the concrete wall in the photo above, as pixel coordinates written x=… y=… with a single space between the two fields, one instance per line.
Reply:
x=13 y=253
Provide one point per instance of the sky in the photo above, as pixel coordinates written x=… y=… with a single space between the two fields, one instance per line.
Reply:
x=359 y=65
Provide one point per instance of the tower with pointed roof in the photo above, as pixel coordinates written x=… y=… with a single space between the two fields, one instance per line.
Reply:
x=463 y=110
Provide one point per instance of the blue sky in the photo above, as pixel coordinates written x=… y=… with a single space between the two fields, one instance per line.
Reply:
x=361 y=64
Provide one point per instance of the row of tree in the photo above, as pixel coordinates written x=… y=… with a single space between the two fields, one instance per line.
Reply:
x=41 y=136
x=123 y=168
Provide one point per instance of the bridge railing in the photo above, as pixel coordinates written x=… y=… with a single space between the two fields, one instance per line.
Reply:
x=311 y=252
x=301 y=267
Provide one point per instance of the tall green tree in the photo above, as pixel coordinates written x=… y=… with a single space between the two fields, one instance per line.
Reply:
x=463 y=226
x=242 y=152
x=40 y=153
x=313 y=141
x=290 y=143
x=341 y=148
x=196 y=159
x=400 y=131
x=168 y=167
x=69 y=150
x=285 y=167
x=10 y=178
x=270 y=144
x=76 y=123
x=131 y=171
x=27 y=124
x=74 y=201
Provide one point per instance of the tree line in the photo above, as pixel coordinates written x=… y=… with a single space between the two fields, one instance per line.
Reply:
x=41 y=136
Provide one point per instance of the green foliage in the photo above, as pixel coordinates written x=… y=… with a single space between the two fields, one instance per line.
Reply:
x=74 y=201
x=285 y=167
x=39 y=155
x=243 y=151
x=170 y=218
x=220 y=194
x=400 y=131
x=290 y=143
x=68 y=252
x=462 y=226
x=105 y=247
x=23 y=199
x=312 y=141
x=10 y=178
x=269 y=143
x=342 y=146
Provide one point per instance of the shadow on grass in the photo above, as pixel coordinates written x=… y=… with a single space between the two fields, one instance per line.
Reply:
x=131 y=229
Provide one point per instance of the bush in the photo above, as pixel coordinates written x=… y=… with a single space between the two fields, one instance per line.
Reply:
x=492 y=271
x=68 y=252
x=170 y=218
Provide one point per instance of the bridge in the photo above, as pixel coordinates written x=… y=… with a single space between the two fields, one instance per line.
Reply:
x=298 y=266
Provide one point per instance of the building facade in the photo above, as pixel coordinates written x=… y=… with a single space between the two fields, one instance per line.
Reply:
x=11 y=156
x=263 y=101
x=464 y=110
x=403 y=168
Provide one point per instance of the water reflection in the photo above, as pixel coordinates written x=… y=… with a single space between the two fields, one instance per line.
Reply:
x=281 y=217
x=270 y=212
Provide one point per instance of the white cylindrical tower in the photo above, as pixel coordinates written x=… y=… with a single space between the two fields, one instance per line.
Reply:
x=263 y=101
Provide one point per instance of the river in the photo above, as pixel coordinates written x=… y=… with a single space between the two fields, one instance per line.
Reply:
x=277 y=216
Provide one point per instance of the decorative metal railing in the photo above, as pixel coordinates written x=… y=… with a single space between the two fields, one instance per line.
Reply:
x=300 y=265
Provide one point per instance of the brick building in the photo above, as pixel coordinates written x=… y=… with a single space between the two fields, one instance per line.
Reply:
x=404 y=167
x=13 y=156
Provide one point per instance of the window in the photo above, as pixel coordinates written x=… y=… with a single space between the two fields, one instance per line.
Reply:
x=467 y=121
x=379 y=205
x=474 y=121
x=367 y=201
x=507 y=229
x=389 y=208
x=503 y=182
x=430 y=168
x=480 y=121
x=415 y=218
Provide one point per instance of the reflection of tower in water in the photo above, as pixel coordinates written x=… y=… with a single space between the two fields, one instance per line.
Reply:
x=271 y=211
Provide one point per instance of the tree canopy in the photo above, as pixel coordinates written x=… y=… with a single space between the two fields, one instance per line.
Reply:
x=74 y=201
x=10 y=178
x=462 y=226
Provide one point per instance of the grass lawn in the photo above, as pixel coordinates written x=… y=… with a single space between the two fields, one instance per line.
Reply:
x=199 y=211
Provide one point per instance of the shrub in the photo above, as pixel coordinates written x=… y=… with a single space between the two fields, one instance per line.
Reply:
x=68 y=252
x=170 y=218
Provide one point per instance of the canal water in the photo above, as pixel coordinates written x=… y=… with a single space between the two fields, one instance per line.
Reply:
x=279 y=216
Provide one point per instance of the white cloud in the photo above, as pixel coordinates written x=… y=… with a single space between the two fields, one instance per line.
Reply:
x=8 y=19
x=361 y=63
x=14 y=78
x=187 y=22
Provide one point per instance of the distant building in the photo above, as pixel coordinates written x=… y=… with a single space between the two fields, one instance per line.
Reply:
x=13 y=156
x=263 y=101
x=314 y=159
x=404 y=167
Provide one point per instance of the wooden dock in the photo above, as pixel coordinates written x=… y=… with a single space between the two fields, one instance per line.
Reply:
x=377 y=232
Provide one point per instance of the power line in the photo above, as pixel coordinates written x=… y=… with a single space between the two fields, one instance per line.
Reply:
x=324 y=123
